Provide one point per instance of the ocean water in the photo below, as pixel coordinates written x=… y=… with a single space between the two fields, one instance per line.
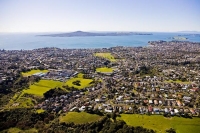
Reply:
x=28 y=41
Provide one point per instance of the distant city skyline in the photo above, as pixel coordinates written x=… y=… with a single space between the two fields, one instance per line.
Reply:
x=99 y=15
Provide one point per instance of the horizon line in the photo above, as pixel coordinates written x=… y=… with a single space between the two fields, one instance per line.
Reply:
x=97 y=31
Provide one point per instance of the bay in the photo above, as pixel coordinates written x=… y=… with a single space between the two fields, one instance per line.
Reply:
x=29 y=41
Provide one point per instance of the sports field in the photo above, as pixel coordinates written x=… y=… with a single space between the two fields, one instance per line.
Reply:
x=79 y=118
x=106 y=55
x=161 y=124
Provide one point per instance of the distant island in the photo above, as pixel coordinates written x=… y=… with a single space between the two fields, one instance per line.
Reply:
x=83 y=34
x=179 y=38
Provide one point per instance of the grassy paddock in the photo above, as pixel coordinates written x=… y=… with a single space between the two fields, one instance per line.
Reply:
x=105 y=55
x=104 y=70
x=79 y=118
x=26 y=74
x=160 y=123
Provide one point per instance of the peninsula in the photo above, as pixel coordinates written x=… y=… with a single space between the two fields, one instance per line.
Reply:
x=83 y=34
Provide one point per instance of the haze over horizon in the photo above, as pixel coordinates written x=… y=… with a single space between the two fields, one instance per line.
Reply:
x=101 y=15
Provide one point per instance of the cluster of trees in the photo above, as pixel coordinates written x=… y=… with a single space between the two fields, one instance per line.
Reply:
x=77 y=82
x=27 y=118
x=23 y=118
x=142 y=70
x=54 y=92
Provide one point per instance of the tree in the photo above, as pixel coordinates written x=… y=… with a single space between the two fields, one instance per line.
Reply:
x=171 y=130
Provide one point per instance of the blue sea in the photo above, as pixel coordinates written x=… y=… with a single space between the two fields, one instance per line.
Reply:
x=28 y=41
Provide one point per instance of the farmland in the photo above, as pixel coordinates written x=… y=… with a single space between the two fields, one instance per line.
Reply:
x=160 y=123
x=79 y=118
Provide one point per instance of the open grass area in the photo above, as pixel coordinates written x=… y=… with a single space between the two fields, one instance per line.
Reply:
x=160 y=123
x=83 y=82
x=104 y=70
x=177 y=81
x=79 y=118
x=80 y=75
x=40 y=111
x=26 y=74
x=17 y=130
x=19 y=100
x=105 y=55
x=42 y=86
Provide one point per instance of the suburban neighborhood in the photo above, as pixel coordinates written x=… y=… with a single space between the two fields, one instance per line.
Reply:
x=162 y=78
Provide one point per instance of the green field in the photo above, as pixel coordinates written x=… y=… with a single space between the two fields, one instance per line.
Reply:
x=105 y=55
x=79 y=118
x=104 y=70
x=37 y=89
x=80 y=75
x=42 y=86
x=40 y=111
x=17 y=130
x=160 y=123
x=26 y=74
x=83 y=82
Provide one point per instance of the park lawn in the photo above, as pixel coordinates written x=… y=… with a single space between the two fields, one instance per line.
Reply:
x=160 y=123
x=106 y=55
x=26 y=74
x=177 y=81
x=79 y=117
x=104 y=70
x=39 y=88
x=83 y=83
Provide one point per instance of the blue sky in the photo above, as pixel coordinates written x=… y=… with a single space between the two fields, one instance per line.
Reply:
x=99 y=15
